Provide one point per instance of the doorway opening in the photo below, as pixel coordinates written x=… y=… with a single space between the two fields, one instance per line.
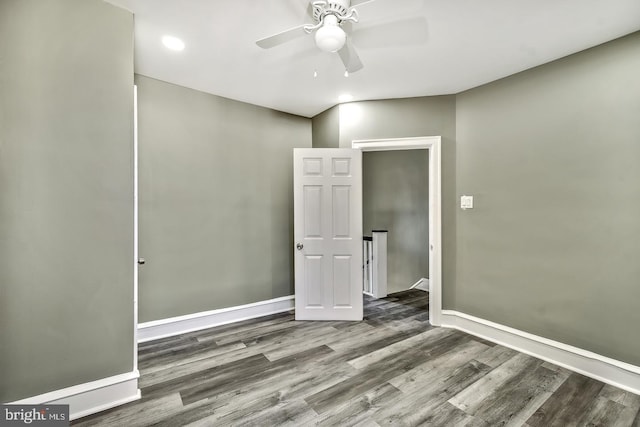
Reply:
x=395 y=198
x=434 y=243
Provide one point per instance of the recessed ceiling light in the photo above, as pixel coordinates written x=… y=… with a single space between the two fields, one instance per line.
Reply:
x=345 y=97
x=173 y=43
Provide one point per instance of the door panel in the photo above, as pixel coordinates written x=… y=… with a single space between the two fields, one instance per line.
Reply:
x=313 y=280
x=341 y=216
x=341 y=280
x=328 y=234
x=313 y=211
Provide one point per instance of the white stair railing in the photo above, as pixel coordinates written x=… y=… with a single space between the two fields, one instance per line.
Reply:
x=374 y=270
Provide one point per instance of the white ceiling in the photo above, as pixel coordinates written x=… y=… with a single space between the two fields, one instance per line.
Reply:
x=462 y=44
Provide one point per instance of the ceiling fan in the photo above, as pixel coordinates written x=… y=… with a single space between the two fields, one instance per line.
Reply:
x=332 y=23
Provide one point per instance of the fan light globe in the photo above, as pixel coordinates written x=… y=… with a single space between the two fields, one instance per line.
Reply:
x=330 y=37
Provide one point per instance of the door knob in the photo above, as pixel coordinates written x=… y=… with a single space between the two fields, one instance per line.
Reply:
x=141 y=261
x=299 y=246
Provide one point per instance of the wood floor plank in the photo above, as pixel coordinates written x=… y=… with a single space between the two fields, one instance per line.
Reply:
x=267 y=412
x=238 y=327
x=229 y=381
x=363 y=381
x=359 y=410
x=294 y=379
x=151 y=377
x=496 y=356
x=435 y=369
x=231 y=369
x=394 y=313
x=294 y=414
x=384 y=369
x=153 y=349
x=620 y=396
x=199 y=351
x=602 y=412
x=398 y=347
x=259 y=331
x=519 y=419
x=516 y=400
x=472 y=397
x=379 y=340
x=447 y=415
x=290 y=345
x=418 y=406
x=286 y=342
x=566 y=405
x=243 y=398
x=629 y=401
x=358 y=335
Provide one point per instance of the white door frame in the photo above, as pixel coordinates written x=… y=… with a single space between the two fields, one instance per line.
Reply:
x=136 y=266
x=432 y=144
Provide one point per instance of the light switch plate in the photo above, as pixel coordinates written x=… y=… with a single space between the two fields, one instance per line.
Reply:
x=466 y=202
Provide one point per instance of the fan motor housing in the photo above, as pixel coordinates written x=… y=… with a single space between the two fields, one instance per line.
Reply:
x=336 y=7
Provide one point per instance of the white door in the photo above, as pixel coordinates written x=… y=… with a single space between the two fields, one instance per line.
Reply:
x=327 y=188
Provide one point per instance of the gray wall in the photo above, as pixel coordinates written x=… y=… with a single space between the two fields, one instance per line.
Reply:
x=66 y=211
x=396 y=198
x=326 y=128
x=426 y=116
x=552 y=245
x=216 y=200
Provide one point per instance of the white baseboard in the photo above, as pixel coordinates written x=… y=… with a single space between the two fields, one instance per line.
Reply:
x=89 y=398
x=149 y=331
x=619 y=374
x=422 y=284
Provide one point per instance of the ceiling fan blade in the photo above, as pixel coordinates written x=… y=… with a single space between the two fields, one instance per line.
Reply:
x=403 y=32
x=378 y=9
x=350 y=57
x=283 y=37
x=359 y=2
x=347 y=26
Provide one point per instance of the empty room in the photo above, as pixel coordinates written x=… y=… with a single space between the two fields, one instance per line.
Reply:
x=331 y=212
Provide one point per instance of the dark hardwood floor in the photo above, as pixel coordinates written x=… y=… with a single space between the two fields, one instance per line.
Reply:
x=393 y=368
